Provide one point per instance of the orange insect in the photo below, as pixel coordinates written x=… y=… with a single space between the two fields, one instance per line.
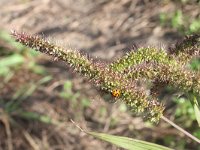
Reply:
x=116 y=93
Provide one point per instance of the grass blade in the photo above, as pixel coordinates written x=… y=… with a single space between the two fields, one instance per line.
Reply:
x=128 y=143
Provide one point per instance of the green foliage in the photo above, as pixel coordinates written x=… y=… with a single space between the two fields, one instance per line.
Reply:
x=8 y=62
x=76 y=99
x=195 y=64
x=22 y=94
x=12 y=62
x=197 y=133
x=177 y=20
x=194 y=27
x=12 y=108
x=184 y=111
x=15 y=60
x=186 y=114
x=171 y=140
x=38 y=117
x=128 y=143
x=196 y=109
x=181 y=22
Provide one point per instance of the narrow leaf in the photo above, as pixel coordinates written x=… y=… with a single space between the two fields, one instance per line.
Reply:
x=128 y=143
x=39 y=117
x=196 y=110
x=12 y=60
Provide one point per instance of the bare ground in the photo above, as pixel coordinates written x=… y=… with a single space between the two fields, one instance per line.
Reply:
x=105 y=29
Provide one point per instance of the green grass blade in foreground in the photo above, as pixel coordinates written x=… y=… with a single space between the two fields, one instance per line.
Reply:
x=128 y=143
x=196 y=110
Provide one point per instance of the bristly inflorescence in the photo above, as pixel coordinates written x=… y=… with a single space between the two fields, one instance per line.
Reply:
x=153 y=64
x=187 y=48
x=176 y=76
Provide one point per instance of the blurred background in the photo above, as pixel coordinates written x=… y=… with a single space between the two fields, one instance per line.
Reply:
x=39 y=96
